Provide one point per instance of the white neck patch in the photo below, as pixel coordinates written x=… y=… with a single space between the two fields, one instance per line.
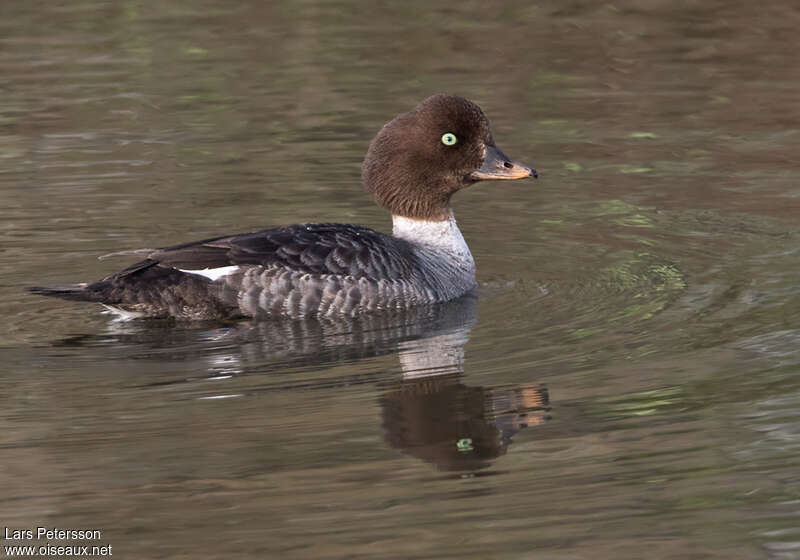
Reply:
x=441 y=235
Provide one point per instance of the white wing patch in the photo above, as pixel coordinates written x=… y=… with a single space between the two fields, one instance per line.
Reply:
x=213 y=273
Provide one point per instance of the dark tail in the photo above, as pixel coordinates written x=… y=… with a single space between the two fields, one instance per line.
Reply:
x=151 y=291
x=76 y=292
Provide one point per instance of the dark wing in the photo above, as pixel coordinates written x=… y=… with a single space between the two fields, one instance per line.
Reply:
x=314 y=248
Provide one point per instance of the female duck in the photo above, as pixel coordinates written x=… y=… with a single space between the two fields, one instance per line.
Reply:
x=412 y=168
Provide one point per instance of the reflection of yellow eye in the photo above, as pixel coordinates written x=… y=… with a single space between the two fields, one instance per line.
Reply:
x=449 y=139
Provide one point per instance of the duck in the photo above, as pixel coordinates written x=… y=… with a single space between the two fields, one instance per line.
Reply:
x=413 y=167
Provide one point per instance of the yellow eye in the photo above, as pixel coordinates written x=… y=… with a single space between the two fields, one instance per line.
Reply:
x=449 y=139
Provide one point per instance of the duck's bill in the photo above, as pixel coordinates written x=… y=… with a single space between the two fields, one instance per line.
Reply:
x=497 y=166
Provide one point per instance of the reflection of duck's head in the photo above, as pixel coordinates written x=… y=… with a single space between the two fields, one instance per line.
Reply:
x=456 y=427
x=421 y=158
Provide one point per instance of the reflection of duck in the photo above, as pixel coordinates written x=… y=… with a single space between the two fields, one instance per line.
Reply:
x=413 y=167
x=429 y=413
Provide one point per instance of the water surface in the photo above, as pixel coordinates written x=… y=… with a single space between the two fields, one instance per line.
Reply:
x=625 y=382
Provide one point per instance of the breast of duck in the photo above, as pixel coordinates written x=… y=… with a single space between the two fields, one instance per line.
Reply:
x=413 y=167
